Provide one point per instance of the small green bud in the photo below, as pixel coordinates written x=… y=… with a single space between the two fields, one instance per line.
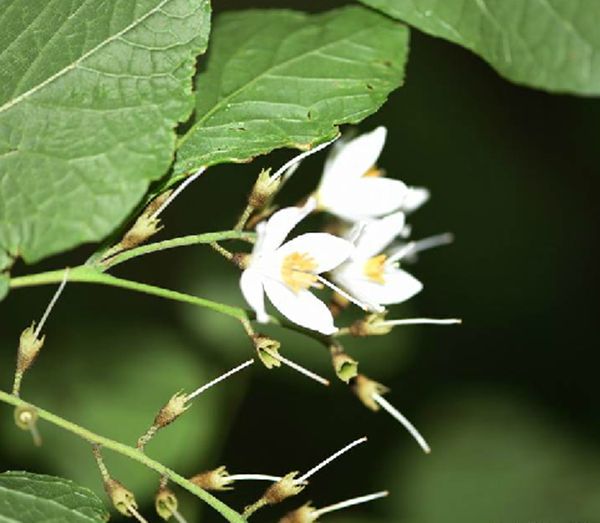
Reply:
x=345 y=367
x=364 y=388
x=304 y=514
x=265 y=345
x=217 y=479
x=165 y=503
x=264 y=189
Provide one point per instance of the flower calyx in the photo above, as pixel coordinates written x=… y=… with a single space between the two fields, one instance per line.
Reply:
x=371 y=325
x=30 y=345
x=264 y=189
x=165 y=503
x=365 y=388
x=346 y=367
x=217 y=479
x=267 y=348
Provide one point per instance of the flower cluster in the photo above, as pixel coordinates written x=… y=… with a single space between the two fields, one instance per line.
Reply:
x=363 y=262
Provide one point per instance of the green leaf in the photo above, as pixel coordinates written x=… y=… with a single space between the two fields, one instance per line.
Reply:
x=4 y=285
x=90 y=93
x=279 y=78
x=548 y=44
x=31 y=498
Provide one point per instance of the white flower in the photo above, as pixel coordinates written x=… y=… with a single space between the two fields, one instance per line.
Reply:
x=354 y=189
x=287 y=272
x=372 y=277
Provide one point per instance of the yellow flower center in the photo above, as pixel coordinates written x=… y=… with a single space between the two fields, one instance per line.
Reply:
x=375 y=267
x=373 y=172
x=296 y=271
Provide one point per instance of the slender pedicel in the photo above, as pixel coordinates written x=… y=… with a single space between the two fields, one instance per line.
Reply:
x=386 y=405
x=177 y=192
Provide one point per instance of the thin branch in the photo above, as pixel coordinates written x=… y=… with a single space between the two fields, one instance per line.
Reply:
x=229 y=514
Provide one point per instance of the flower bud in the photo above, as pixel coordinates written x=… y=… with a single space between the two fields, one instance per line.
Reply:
x=371 y=325
x=345 y=367
x=174 y=408
x=122 y=499
x=264 y=189
x=165 y=503
x=364 y=388
x=217 y=479
x=304 y=514
x=265 y=345
x=29 y=347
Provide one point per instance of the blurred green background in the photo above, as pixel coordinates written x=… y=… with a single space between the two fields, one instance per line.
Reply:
x=507 y=400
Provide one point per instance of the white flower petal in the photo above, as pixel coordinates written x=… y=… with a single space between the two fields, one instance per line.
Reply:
x=399 y=285
x=327 y=250
x=302 y=308
x=366 y=198
x=414 y=198
x=252 y=289
x=378 y=234
x=350 y=160
x=281 y=223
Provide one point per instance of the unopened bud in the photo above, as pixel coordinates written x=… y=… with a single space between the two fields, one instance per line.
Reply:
x=174 y=408
x=345 y=367
x=165 y=503
x=122 y=499
x=364 y=388
x=217 y=479
x=304 y=514
x=265 y=348
x=264 y=189
x=29 y=347
x=371 y=325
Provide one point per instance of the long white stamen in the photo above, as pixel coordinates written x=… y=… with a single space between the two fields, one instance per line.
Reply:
x=200 y=390
x=52 y=303
x=297 y=367
x=325 y=462
x=178 y=517
x=253 y=477
x=364 y=306
x=348 y=503
x=422 y=245
x=131 y=509
x=381 y=401
x=177 y=192
x=297 y=159
x=416 y=321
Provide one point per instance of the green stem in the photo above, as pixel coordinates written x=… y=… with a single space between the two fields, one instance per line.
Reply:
x=228 y=513
x=183 y=241
x=84 y=274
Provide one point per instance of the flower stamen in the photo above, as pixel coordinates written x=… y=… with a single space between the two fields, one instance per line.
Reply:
x=296 y=271
x=374 y=268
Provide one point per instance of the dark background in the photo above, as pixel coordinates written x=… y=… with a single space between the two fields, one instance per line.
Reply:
x=508 y=400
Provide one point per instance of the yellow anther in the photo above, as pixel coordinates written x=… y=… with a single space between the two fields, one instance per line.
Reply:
x=296 y=271
x=373 y=172
x=375 y=267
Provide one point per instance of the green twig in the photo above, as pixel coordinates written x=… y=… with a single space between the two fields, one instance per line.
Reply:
x=183 y=241
x=228 y=513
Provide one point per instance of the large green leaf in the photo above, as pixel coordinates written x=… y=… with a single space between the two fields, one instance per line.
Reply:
x=279 y=78
x=549 y=44
x=90 y=93
x=32 y=498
